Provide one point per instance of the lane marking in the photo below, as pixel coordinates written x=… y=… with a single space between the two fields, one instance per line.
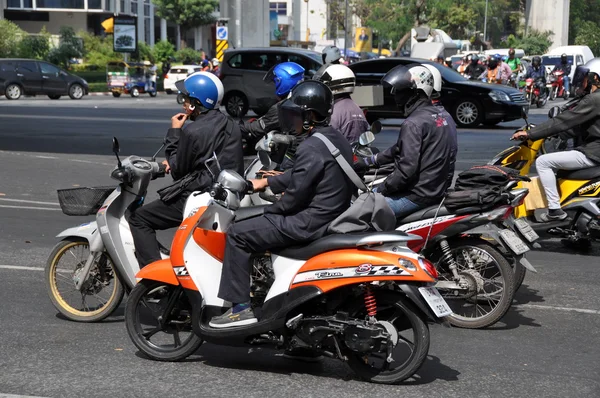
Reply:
x=550 y=307
x=29 y=208
x=29 y=201
x=86 y=118
x=17 y=396
x=46 y=157
x=17 y=267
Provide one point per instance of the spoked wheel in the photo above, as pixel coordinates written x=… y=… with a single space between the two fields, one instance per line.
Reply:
x=489 y=284
x=102 y=291
x=158 y=317
x=410 y=336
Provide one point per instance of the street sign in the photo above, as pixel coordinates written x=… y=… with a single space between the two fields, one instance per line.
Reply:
x=222 y=45
x=222 y=33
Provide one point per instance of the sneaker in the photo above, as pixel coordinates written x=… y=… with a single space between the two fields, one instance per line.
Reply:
x=547 y=217
x=303 y=354
x=229 y=319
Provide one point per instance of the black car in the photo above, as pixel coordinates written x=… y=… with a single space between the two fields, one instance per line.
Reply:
x=470 y=103
x=31 y=77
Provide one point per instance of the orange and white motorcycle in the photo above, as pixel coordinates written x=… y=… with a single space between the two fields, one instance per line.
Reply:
x=362 y=298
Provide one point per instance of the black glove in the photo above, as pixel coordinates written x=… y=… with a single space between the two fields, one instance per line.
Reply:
x=361 y=166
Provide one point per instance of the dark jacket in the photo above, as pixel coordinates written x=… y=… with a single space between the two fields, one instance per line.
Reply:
x=535 y=74
x=348 y=118
x=474 y=71
x=258 y=128
x=566 y=68
x=582 y=123
x=187 y=149
x=316 y=189
x=424 y=156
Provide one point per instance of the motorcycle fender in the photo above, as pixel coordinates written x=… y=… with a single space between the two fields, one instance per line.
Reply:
x=87 y=231
x=412 y=292
x=161 y=271
x=525 y=263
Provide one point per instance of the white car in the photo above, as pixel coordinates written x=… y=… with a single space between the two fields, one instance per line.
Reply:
x=176 y=73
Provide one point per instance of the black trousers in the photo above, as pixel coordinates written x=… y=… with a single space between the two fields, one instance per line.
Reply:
x=256 y=235
x=146 y=220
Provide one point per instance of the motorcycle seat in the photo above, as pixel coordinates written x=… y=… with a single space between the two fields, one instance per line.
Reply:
x=244 y=213
x=581 y=174
x=423 y=214
x=342 y=241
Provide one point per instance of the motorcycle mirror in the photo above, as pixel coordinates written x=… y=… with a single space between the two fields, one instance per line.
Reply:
x=376 y=127
x=213 y=166
x=524 y=113
x=553 y=112
x=116 y=149
x=159 y=149
x=366 y=138
x=265 y=159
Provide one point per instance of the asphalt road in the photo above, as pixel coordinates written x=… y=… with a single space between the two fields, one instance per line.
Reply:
x=547 y=345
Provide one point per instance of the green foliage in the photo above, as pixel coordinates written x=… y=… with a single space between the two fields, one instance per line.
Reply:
x=163 y=50
x=70 y=47
x=588 y=34
x=535 y=43
x=144 y=53
x=10 y=37
x=98 y=50
x=37 y=47
x=188 y=56
x=187 y=13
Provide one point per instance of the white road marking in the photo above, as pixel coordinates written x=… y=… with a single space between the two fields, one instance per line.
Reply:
x=19 y=268
x=29 y=201
x=17 y=396
x=553 y=308
x=46 y=157
x=86 y=118
x=29 y=207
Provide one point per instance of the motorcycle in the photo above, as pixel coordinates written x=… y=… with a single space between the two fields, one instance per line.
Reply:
x=94 y=264
x=579 y=190
x=532 y=93
x=556 y=86
x=361 y=298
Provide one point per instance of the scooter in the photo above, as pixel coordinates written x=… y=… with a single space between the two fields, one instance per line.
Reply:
x=94 y=264
x=579 y=190
x=556 y=86
x=532 y=93
x=361 y=298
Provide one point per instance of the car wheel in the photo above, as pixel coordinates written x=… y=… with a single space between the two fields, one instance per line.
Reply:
x=13 y=92
x=152 y=93
x=76 y=91
x=468 y=113
x=236 y=104
x=169 y=92
x=116 y=94
x=53 y=96
x=135 y=92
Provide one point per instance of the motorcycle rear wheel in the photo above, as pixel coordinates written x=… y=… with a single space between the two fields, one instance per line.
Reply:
x=396 y=309
x=146 y=303
x=55 y=277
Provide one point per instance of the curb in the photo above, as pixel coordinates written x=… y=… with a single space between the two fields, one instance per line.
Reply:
x=110 y=93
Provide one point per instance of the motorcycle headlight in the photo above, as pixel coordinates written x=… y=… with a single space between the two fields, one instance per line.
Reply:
x=498 y=96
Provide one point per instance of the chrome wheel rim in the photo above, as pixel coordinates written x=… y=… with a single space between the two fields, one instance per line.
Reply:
x=13 y=91
x=77 y=91
x=235 y=104
x=467 y=113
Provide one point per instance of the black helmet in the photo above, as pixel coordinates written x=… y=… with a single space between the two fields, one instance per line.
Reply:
x=474 y=59
x=309 y=104
x=493 y=62
x=564 y=59
x=407 y=84
x=536 y=61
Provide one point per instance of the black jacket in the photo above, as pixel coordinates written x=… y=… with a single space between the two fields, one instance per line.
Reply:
x=474 y=71
x=582 y=123
x=424 y=156
x=258 y=128
x=187 y=149
x=316 y=189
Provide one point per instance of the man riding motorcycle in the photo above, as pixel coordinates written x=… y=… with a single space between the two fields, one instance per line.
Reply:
x=474 y=70
x=316 y=191
x=564 y=67
x=331 y=55
x=186 y=151
x=537 y=72
x=493 y=74
x=426 y=147
x=513 y=62
x=347 y=116
x=505 y=70
x=582 y=122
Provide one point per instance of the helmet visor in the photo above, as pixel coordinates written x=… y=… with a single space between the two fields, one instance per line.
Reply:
x=180 y=85
x=270 y=75
x=290 y=117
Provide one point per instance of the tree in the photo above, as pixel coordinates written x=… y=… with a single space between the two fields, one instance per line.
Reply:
x=98 y=50
x=186 y=13
x=10 y=38
x=36 y=47
x=534 y=43
x=188 y=56
x=588 y=34
x=163 y=50
x=70 y=47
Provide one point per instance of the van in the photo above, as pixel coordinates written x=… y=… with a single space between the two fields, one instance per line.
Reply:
x=243 y=69
x=576 y=55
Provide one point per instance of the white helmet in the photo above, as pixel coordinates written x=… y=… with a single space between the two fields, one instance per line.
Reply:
x=331 y=54
x=437 y=77
x=339 y=78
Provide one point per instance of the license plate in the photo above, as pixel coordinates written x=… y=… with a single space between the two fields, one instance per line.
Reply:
x=528 y=232
x=514 y=242
x=435 y=301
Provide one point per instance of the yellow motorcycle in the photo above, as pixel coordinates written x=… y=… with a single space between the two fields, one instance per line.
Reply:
x=579 y=190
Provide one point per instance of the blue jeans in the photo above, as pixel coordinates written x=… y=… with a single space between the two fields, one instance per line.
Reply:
x=400 y=205
x=566 y=82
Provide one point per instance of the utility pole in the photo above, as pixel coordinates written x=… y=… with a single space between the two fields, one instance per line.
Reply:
x=485 y=22
x=346 y=32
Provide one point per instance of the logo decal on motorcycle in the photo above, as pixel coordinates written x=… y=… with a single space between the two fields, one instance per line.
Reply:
x=423 y=223
x=386 y=270
x=327 y=274
x=589 y=188
x=181 y=271
x=364 y=268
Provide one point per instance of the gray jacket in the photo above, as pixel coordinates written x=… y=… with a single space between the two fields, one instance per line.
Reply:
x=348 y=118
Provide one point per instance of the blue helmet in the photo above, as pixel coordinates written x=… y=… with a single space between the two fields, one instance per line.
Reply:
x=204 y=87
x=285 y=75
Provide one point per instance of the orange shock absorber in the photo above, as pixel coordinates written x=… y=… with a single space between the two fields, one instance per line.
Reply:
x=370 y=302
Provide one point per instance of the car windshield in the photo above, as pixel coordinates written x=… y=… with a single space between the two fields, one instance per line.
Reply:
x=316 y=56
x=555 y=60
x=450 y=75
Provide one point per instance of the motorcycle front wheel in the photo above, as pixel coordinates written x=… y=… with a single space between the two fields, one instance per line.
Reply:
x=102 y=292
x=160 y=330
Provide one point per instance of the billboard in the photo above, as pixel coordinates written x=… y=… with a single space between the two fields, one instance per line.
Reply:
x=363 y=39
x=125 y=34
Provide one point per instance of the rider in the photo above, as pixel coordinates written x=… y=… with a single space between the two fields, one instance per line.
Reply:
x=316 y=191
x=513 y=61
x=582 y=122
x=423 y=155
x=564 y=67
x=474 y=70
x=216 y=66
x=347 y=116
x=186 y=151
x=285 y=76
x=537 y=72
x=331 y=55
x=463 y=66
x=505 y=70
x=493 y=74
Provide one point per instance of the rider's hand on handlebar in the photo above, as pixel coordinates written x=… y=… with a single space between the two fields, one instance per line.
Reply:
x=259 y=185
x=178 y=120
x=269 y=173
x=167 y=167
x=519 y=136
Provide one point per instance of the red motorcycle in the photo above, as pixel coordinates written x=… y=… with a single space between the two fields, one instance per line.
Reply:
x=532 y=93
x=556 y=85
